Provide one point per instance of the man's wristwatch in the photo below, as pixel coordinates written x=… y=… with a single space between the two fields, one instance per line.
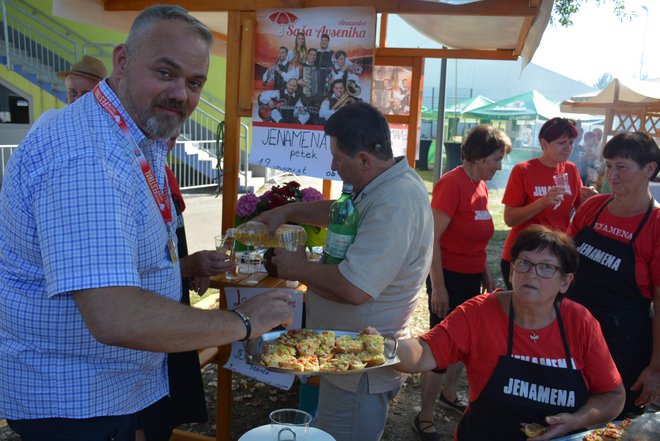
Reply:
x=246 y=322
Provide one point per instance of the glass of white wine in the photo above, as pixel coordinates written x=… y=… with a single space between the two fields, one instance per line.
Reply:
x=224 y=245
x=253 y=235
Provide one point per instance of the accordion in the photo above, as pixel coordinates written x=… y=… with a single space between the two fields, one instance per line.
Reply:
x=317 y=81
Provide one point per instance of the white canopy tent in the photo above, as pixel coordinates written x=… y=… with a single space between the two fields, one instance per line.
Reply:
x=627 y=106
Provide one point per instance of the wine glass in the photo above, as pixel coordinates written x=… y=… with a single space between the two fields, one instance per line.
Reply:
x=253 y=235
x=224 y=245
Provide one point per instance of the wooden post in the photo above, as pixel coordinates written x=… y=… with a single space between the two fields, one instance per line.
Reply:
x=383 y=31
x=230 y=192
x=232 y=122
x=415 y=109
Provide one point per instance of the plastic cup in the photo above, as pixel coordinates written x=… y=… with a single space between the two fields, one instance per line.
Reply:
x=289 y=424
x=561 y=180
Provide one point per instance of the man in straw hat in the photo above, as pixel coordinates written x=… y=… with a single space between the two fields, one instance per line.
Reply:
x=82 y=77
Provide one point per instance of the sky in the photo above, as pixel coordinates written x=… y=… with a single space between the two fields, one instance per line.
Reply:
x=599 y=42
x=596 y=43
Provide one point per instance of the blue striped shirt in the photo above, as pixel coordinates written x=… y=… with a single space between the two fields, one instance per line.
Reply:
x=78 y=214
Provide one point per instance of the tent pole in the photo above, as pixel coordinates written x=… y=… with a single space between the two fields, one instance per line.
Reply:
x=440 y=131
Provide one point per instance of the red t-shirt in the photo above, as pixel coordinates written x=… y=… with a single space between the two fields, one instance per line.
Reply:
x=476 y=334
x=646 y=246
x=463 y=244
x=174 y=187
x=529 y=181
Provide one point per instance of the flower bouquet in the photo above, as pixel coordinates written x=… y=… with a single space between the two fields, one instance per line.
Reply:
x=250 y=205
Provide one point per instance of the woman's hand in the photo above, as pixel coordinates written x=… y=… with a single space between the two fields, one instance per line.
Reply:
x=553 y=197
x=558 y=425
x=649 y=383
x=440 y=301
x=487 y=281
x=586 y=193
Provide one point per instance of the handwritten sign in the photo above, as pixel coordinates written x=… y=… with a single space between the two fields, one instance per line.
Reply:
x=236 y=362
x=297 y=150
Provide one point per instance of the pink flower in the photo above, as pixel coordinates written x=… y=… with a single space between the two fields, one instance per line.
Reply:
x=311 y=194
x=247 y=205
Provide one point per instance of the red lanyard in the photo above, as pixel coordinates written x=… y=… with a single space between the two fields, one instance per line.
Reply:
x=162 y=200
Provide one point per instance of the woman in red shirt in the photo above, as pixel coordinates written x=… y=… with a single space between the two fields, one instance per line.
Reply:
x=462 y=228
x=534 y=194
x=531 y=356
x=617 y=237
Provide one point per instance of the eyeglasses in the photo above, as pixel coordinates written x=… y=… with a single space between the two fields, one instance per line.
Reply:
x=544 y=270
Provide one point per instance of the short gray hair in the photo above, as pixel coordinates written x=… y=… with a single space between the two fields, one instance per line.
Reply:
x=157 y=13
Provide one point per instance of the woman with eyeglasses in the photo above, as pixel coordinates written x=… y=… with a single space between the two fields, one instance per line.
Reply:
x=618 y=239
x=543 y=190
x=531 y=355
x=459 y=271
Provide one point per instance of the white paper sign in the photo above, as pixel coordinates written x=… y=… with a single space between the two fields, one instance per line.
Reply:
x=399 y=138
x=236 y=361
x=292 y=149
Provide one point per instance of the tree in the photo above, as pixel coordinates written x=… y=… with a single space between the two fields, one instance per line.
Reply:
x=564 y=10
x=603 y=81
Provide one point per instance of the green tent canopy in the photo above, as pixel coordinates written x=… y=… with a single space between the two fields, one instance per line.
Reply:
x=458 y=109
x=465 y=106
x=527 y=106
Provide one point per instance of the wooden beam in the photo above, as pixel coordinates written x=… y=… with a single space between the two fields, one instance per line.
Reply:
x=382 y=37
x=394 y=61
x=219 y=35
x=232 y=122
x=477 y=54
x=415 y=117
x=246 y=70
x=327 y=188
x=491 y=8
x=397 y=119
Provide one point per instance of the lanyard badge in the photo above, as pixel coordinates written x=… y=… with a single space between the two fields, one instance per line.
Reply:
x=162 y=198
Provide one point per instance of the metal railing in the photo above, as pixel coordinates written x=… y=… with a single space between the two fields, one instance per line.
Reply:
x=34 y=39
x=37 y=41
x=204 y=173
x=5 y=153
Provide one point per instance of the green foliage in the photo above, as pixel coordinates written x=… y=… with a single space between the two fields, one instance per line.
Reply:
x=603 y=81
x=564 y=10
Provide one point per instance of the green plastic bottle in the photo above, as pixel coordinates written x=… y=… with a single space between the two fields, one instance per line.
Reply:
x=342 y=227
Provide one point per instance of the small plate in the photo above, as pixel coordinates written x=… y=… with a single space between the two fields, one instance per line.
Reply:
x=254 y=349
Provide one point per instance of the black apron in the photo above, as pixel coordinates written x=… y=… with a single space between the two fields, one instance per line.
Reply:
x=187 y=402
x=502 y=405
x=610 y=292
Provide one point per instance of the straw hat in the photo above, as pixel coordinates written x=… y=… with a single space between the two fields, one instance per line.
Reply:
x=88 y=67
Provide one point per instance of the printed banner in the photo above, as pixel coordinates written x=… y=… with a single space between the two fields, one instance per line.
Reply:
x=308 y=64
x=237 y=362
x=391 y=94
